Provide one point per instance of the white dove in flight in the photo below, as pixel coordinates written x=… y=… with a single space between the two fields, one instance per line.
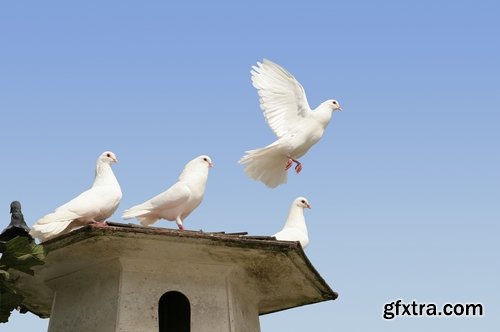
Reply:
x=286 y=110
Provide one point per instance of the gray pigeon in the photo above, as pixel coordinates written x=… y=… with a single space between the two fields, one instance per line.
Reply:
x=17 y=226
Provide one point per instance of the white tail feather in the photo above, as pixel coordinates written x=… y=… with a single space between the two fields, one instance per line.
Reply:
x=147 y=220
x=57 y=216
x=47 y=231
x=135 y=211
x=143 y=215
x=266 y=167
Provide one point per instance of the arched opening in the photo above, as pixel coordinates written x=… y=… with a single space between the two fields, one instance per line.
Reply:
x=174 y=312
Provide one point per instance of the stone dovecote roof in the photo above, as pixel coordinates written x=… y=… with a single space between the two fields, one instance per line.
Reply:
x=279 y=271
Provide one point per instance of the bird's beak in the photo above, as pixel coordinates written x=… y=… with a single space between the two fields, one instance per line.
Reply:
x=210 y=165
x=340 y=108
x=115 y=160
x=308 y=206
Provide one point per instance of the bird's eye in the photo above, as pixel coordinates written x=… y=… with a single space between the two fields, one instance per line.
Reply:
x=303 y=201
x=205 y=159
x=334 y=102
x=108 y=155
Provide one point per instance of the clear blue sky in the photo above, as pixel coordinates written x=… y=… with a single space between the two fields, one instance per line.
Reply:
x=405 y=184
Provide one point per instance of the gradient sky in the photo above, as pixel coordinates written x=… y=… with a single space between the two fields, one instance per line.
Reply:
x=405 y=184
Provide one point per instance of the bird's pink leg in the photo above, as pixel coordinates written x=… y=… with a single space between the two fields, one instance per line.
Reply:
x=298 y=167
x=178 y=221
x=100 y=223
x=289 y=162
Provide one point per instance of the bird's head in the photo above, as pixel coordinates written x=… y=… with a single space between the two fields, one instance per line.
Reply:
x=200 y=165
x=205 y=160
x=302 y=202
x=108 y=157
x=15 y=207
x=333 y=105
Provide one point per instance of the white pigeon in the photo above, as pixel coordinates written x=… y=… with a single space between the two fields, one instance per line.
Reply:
x=298 y=128
x=178 y=201
x=295 y=226
x=92 y=206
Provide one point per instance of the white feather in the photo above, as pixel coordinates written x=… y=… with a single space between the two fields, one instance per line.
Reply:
x=282 y=97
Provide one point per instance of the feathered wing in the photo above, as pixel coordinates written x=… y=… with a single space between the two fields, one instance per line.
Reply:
x=146 y=212
x=282 y=97
x=266 y=164
x=51 y=225
x=87 y=204
x=47 y=231
x=84 y=205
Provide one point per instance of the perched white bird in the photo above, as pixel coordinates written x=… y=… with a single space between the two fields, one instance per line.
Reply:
x=298 y=128
x=92 y=206
x=295 y=226
x=178 y=201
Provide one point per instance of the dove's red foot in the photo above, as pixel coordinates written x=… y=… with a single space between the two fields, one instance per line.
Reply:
x=100 y=223
x=298 y=168
x=181 y=227
x=289 y=162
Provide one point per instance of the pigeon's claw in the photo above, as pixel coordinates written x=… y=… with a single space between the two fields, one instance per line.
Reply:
x=289 y=163
x=298 y=167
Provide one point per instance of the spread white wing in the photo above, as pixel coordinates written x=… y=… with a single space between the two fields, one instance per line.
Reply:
x=282 y=98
